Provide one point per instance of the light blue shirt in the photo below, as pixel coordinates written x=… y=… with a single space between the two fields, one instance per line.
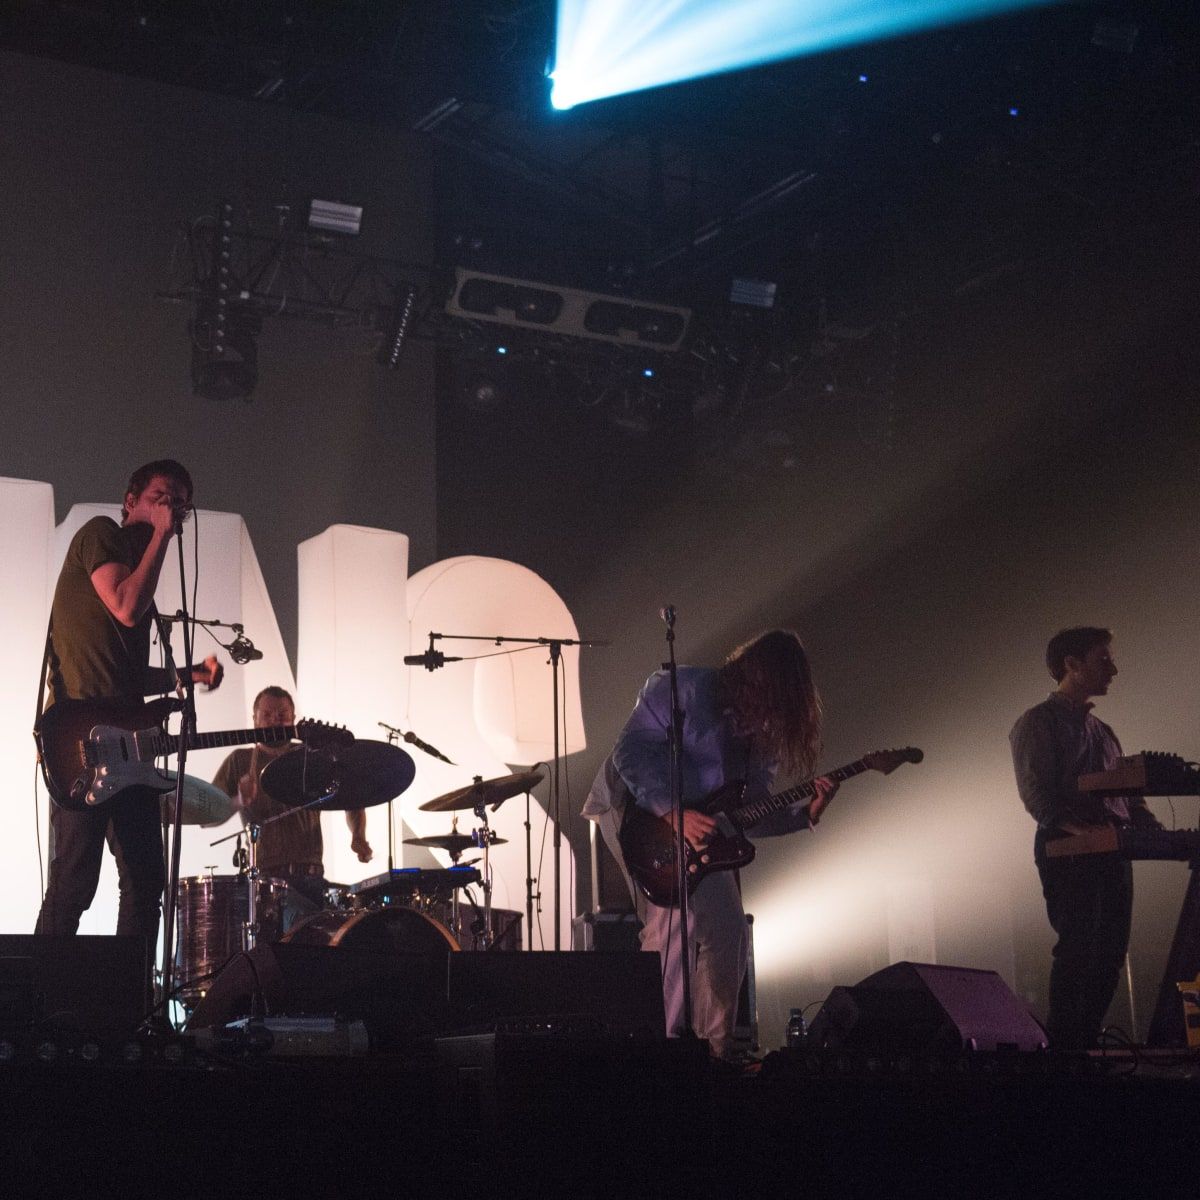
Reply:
x=712 y=753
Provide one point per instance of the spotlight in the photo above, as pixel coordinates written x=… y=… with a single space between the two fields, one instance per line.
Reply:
x=613 y=47
x=483 y=393
x=397 y=329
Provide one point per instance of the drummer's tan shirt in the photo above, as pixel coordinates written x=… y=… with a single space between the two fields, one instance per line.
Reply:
x=295 y=839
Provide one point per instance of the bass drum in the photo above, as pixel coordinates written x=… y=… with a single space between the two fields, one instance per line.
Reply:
x=392 y=930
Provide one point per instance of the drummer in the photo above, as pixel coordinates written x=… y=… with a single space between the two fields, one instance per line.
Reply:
x=290 y=849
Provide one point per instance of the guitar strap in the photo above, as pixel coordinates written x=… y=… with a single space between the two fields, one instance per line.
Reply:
x=41 y=696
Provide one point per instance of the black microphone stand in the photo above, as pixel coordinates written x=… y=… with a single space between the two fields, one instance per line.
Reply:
x=675 y=736
x=555 y=645
x=187 y=729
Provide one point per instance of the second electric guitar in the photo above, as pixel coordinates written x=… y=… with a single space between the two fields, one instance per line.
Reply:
x=648 y=842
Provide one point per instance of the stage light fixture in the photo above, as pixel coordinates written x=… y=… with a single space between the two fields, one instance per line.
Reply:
x=332 y=217
x=611 y=47
x=224 y=352
x=755 y=293
x=483 y=393
x=564 y=310
x=397 y=329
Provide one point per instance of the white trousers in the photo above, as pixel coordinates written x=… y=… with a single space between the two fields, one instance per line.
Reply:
x=719 y=943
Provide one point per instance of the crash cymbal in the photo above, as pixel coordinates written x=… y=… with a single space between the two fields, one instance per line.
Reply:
x=203 y=802
x=360 y=775
x=455 y=843
x=484 y=791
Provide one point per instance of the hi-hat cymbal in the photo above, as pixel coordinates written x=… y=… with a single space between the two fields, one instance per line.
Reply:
x=484 y=791
x=360 y=775
x=203 y=803
x=455 y=843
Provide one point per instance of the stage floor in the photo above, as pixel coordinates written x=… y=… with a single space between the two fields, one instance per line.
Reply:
x=550 y=1115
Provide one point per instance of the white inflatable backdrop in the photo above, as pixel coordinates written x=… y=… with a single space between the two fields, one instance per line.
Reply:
x=359 y=615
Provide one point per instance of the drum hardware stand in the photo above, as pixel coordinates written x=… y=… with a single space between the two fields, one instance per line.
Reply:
x=254 y=830
x=483 y=839
x=555 y=646
x=392 y=735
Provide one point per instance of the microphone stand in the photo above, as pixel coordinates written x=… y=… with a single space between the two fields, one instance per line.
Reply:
x=187 y=729
x=391 y=737
x=675 y=736
x=555 y=645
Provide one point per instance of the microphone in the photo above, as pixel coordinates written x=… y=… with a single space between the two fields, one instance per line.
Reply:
x=667 y=613
x=430 y=660
x=412 y=739
x=242 y=650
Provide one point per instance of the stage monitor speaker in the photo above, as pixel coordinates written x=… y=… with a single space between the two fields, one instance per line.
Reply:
x=94 y=986
x=397 y=996
x=922 y=1008
x=618 y=992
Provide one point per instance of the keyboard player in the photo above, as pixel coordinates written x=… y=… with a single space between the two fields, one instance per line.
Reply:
x=1089 y=898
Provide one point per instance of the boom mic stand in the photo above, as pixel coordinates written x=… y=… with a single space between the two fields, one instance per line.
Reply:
x=675 y=736
x=187 y=729
x=555 y=646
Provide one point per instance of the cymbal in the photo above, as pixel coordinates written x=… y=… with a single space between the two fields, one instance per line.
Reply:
x=360 y=775
x=484 y=791
x=456 y=843
x=203 y=802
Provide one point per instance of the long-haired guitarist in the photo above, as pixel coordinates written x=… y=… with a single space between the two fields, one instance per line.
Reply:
x=760 y=712
x=100 y=650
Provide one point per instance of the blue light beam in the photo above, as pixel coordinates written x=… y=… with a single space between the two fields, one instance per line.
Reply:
x=610 y=47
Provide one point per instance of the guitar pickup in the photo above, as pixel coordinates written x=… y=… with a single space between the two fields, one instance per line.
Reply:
x=725 y=825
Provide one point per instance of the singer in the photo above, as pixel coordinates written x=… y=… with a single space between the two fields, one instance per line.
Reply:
x=99 y=649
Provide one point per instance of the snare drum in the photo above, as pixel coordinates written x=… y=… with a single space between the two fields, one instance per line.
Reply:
x=211 y=911
x=391 y=930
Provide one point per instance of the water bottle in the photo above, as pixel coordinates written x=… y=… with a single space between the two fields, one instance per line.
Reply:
x=797 y=1031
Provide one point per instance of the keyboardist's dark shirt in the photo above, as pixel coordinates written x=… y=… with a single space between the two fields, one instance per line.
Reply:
x=1052 y=745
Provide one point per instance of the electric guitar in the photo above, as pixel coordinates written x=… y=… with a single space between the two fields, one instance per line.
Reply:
x=648 y=842
x=92 y=750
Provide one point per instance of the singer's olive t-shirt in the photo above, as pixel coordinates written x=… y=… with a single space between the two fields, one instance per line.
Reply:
x=94 y=656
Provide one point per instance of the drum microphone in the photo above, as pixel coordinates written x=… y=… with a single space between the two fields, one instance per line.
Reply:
x=412 y=739
x=430 y=660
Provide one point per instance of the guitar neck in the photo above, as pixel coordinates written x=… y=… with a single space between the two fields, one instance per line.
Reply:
x=750 y=814
x=273 y=735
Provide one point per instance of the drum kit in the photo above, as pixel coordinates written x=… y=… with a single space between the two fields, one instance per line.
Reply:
x=413 y=910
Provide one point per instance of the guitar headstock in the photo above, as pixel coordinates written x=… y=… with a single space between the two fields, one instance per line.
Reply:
x=886 y=761
x=321 y=736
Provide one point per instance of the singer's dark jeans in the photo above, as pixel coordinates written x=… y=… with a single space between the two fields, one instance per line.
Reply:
x=131 y=825
x=1089 y=900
